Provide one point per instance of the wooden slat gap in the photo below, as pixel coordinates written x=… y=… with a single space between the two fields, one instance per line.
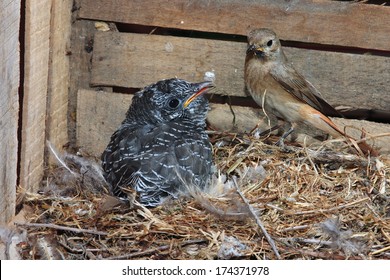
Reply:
x=380 y=116
x=22 y=51
x=158 y=30
x=125 y=90
x=370 y=2
x=188 y=33
x=324 y=22
x=100 y=114
x=131 y=60
x=334 y=48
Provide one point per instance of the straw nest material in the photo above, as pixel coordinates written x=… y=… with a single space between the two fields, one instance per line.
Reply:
x=263 y=203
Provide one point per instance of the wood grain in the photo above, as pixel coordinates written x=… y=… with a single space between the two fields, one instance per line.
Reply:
x=82 y=36
x=80 y=68
x=100 y=113
x=9 y=106
x=37 y=43
x=136 y=60
x=59 y=73
x=324 y=22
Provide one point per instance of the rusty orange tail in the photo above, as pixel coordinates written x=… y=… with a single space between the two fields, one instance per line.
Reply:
x=361 y=146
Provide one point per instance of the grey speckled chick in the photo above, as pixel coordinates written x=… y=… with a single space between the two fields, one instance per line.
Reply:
x=162 y=144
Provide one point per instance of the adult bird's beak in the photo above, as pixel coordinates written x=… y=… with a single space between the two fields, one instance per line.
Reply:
x=259 y=49
x=200 y=89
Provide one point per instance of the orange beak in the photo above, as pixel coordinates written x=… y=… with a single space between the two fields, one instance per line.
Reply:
x=201 y=88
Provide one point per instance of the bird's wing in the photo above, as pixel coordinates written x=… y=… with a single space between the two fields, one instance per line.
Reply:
x=155 y=161
x=179 y=157
x=195 y=155
x=120 y=160
x=297 y=85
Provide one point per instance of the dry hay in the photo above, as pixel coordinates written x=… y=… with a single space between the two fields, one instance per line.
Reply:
x=322 y=203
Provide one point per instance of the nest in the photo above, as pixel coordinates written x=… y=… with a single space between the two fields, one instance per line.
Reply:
x=263 y=203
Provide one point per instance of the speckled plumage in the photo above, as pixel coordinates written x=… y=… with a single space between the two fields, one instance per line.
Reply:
x=162 y=144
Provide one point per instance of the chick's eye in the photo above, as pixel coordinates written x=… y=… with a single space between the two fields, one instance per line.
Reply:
x=173 y=103
x=269 y=43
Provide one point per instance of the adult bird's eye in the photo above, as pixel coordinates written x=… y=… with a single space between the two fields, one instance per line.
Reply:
x=269 y=43
x=173 y=103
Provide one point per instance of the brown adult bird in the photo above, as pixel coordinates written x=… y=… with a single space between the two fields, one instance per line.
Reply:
x=275 y=84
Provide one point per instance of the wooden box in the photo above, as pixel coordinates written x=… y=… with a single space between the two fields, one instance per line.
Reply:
x=69 y=68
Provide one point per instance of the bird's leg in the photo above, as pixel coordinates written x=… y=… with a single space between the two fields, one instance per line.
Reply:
x=280 y=142
x=268 y=131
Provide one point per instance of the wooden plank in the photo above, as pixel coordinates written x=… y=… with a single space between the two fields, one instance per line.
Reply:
x=58 y=79
x=221 y=118
x=37 y=35
x=82 y=36
x=323 y=22
x=80 y=68
x=136 y=60
x=9 y=106
x=100 y=113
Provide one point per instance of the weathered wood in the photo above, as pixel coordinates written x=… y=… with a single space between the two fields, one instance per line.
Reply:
x=80 y=68
x=82 y=36
x=58 y=80
x=37 y=35
x=324 y=22
x=136 y=60
x=9 y=106
x=221 y=118
x=100 y=113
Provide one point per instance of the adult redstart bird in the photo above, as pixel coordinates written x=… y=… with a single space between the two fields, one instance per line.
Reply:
x=275 y=84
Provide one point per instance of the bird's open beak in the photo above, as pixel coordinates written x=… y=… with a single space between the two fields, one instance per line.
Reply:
x=201 y=88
